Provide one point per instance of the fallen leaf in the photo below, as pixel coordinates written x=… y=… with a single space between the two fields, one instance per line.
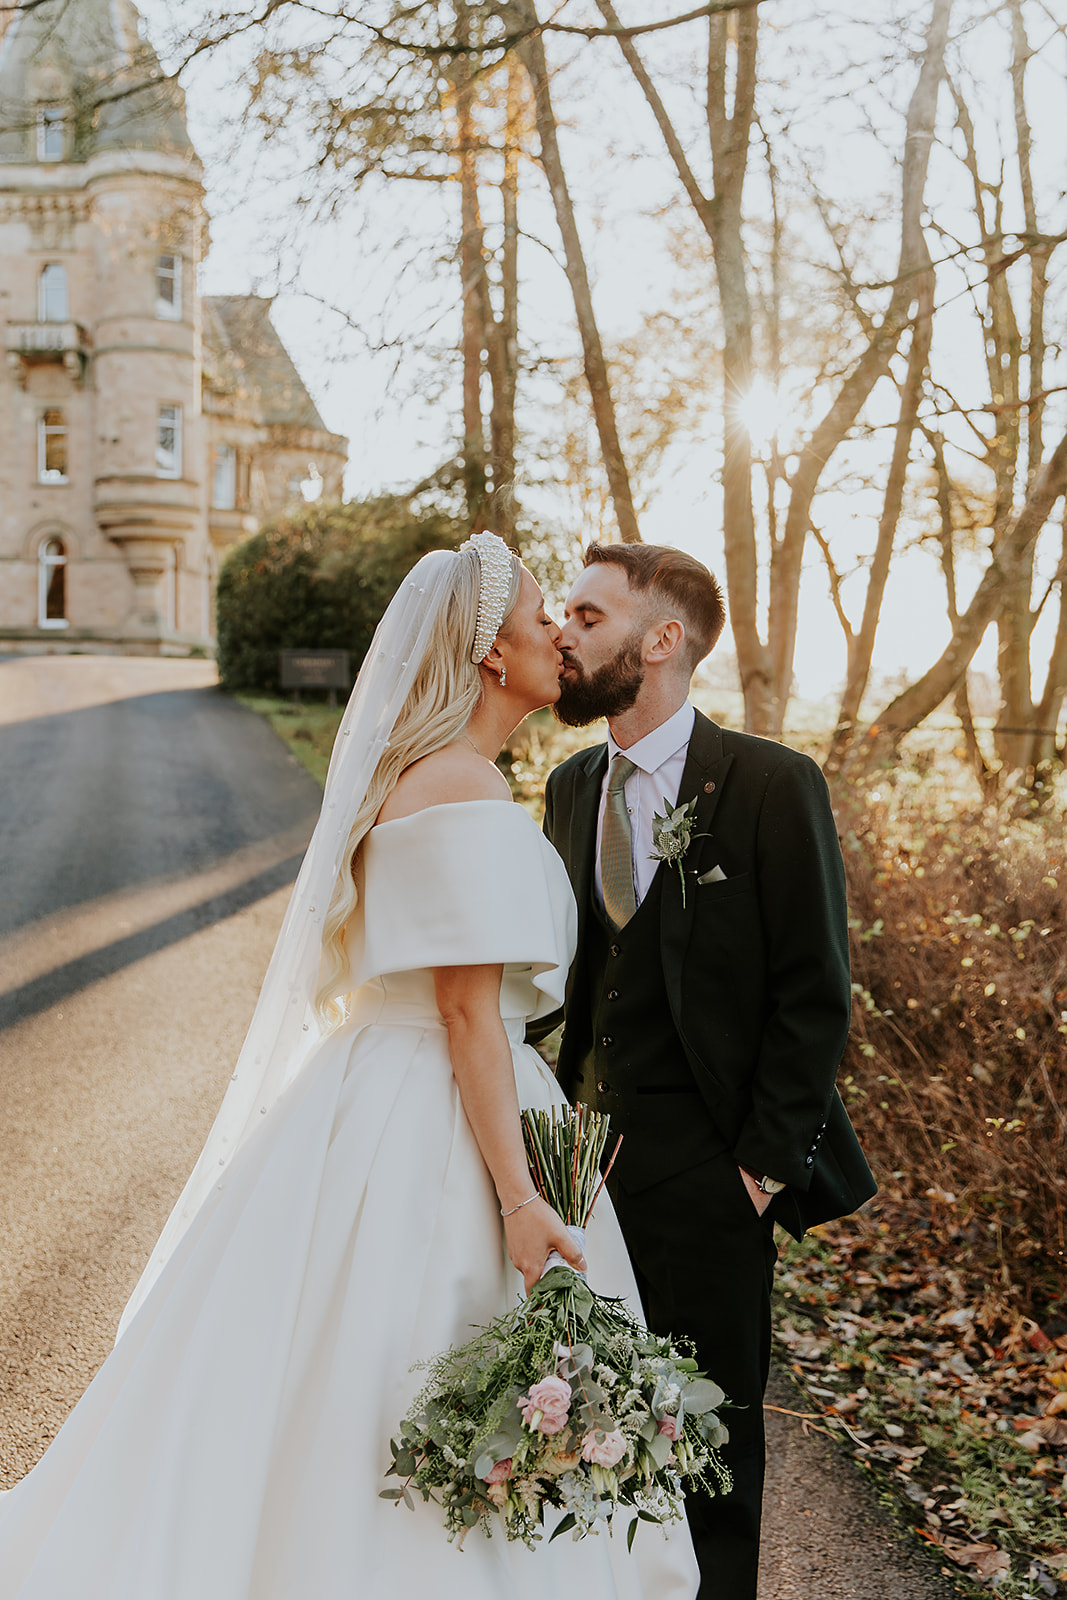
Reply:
x=1052 y=1430
x=1057 y=1404
x=988 y=1560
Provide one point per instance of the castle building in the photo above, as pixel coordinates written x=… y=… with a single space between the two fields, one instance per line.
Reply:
x=143 y=427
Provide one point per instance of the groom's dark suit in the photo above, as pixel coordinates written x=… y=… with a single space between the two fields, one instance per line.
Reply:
x=712 y=1032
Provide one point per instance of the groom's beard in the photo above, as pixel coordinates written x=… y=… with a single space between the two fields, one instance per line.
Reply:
x=610 y=690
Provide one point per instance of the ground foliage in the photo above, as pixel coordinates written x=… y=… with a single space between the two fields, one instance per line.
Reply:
x=956 y=1068
x=955 y=1403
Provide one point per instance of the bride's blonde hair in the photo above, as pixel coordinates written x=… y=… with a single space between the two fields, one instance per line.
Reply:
x=446 y=692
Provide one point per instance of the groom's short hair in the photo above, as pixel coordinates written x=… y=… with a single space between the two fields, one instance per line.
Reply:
x=680 y=580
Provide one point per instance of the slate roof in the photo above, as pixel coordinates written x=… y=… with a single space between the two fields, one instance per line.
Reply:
x=93 y=58
x=242 y=352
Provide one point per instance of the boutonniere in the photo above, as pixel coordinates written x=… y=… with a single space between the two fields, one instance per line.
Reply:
x=672 y=834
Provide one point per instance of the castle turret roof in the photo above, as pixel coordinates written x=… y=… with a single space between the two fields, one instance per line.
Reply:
x=243 y=353
x=89 y=61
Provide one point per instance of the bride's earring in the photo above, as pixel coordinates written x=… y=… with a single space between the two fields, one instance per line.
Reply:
x=503 y=677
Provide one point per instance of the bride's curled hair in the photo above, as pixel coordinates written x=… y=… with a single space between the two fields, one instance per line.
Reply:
x=448 y=688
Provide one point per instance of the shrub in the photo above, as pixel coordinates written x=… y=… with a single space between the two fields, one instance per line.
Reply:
x=956 y=1069
x=318 y=579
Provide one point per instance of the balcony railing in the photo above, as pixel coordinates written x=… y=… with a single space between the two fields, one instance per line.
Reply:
x=28 y=343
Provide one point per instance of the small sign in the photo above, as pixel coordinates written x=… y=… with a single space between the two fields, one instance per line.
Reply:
x=315 y=669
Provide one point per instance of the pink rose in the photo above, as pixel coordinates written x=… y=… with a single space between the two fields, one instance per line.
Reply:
x=500 y=1471
x=547 y=1406
x=606 y=1452
x=671 y=1427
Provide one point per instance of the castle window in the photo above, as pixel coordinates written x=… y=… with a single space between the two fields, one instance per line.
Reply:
x=52 y=446
x=169 y=287
x=52 y=584
x=224 y=478
x=51 y=133
x=169 y=442
x=52 y=304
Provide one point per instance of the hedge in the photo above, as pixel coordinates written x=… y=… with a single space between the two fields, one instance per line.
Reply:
x=318 y=579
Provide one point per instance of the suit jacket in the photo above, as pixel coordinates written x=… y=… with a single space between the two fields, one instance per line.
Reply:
x=756 y=964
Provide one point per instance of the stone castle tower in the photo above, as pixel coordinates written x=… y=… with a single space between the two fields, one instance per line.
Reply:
x=143 y=428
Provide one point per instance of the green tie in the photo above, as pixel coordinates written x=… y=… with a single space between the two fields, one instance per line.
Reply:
x=616 y=848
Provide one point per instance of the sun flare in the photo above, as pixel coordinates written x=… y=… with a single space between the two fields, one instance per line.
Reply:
x=761 y=412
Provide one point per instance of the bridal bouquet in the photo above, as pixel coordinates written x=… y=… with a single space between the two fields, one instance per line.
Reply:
x=566 y=1402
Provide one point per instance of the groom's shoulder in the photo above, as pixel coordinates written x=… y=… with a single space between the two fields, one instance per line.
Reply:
x=757 y=755
x=576 y=769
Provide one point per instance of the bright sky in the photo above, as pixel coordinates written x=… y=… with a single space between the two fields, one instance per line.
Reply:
x=848 y=133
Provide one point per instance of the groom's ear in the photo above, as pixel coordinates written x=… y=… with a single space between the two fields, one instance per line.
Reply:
x=664 y=641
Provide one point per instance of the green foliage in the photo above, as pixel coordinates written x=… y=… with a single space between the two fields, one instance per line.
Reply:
x=318 y=579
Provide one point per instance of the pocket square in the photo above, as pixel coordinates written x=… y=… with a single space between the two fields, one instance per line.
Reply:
x=716 y=875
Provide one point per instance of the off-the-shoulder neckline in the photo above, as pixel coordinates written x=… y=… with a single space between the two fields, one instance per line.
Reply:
x=446 y=805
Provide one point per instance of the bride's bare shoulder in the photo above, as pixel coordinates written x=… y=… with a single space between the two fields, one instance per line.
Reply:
x=444 y=778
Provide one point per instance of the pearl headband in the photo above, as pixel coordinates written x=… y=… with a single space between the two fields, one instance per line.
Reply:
x=495 y=570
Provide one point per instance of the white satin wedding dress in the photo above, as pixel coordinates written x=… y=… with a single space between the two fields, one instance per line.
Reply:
x=233 y=1445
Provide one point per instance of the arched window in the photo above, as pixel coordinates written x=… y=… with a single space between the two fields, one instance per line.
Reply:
x=52 y=294
x=52 y=584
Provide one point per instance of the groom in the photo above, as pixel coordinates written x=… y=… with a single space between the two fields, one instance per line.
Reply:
x=710 y=1020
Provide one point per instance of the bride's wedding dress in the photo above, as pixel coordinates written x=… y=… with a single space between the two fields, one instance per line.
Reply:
x=233 y=1445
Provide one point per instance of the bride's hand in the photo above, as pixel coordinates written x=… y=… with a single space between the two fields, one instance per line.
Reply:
x=532 y=1232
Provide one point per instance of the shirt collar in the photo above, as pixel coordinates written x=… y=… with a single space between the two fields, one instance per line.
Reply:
x=658 y=746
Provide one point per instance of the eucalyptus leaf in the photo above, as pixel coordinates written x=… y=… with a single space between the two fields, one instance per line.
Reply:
x=630 y=1535
x=565 y=1526
x=660 y=1448
x=702 y=1395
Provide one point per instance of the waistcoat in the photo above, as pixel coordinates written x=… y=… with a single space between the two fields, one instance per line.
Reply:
x=636 y=1069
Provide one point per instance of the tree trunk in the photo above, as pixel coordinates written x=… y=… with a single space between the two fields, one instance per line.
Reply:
x=873 y=364
x=861 y=645
x=720 y=216
x=1014 y=550
x=471 y=265
x=1045 y=750
x=531 y=53
x=505 y=349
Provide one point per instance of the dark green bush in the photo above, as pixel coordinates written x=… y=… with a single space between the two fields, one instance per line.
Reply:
x=318 y=579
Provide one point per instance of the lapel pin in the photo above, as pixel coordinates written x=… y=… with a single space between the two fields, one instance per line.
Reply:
x=709 y=788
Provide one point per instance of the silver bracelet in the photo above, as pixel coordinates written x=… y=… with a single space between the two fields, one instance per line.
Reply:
x=520 y=1205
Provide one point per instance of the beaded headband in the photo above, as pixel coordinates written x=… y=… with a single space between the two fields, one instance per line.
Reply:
x=495 y=569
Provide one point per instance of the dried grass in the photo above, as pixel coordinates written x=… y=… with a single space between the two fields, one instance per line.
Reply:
x=956 y=1069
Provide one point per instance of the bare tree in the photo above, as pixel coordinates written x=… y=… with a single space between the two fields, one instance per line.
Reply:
x=767 y=669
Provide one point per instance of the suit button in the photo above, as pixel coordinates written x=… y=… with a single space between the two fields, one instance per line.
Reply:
x=616 y=950
x=809 y=1161
x=605 y=1088
x=607 y=1041
x=613 y=994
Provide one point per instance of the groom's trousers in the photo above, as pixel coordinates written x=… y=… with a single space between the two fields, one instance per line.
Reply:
x=704 y=1260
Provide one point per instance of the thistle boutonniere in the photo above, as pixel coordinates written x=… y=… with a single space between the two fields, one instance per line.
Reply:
x=672 y=834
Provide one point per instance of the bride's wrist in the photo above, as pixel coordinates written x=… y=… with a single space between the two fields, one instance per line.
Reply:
x=518 y=1190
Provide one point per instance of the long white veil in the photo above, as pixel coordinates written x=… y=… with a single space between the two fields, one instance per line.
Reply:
x=284 y=1028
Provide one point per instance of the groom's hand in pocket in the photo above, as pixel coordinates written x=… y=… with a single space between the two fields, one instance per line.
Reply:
x=760 y=1200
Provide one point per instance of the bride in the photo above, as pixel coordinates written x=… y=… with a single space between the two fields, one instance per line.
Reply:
x=363 y=1198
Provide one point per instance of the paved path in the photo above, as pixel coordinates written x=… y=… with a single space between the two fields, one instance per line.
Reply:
x=149 y=828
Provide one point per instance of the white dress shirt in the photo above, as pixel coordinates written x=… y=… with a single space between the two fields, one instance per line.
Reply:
x=660 y=761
